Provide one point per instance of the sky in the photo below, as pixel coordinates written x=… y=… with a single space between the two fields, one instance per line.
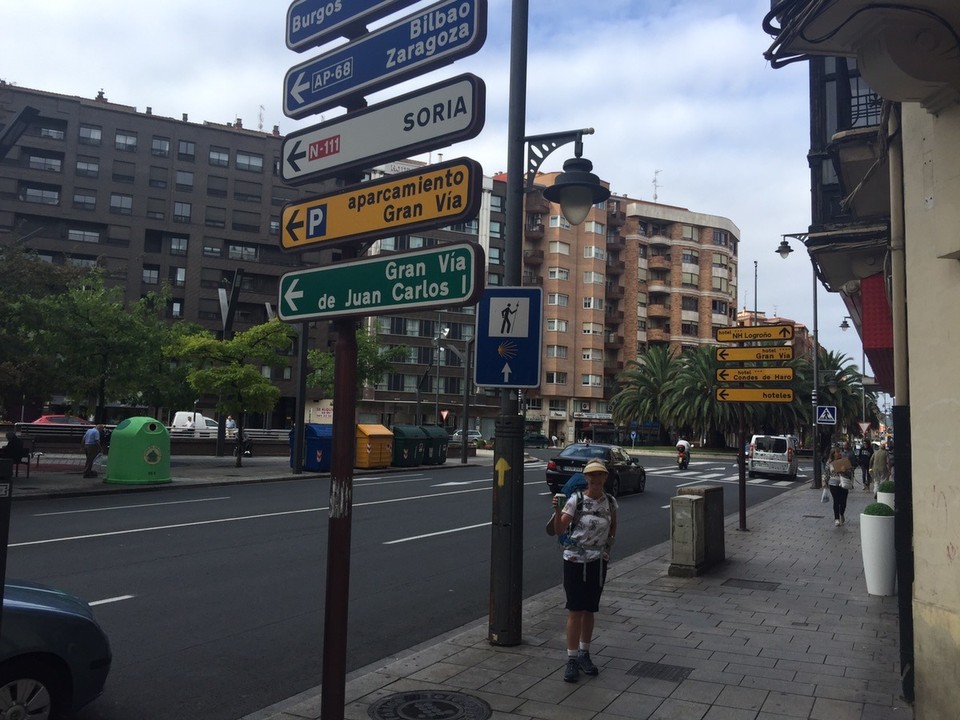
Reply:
x=676 y=90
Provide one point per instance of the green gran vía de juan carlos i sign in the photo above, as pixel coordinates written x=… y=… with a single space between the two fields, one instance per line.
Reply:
x=443 y=276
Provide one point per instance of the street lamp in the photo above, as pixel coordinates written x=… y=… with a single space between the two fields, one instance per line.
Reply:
x=441 y=335
x=576 y=189
x=863 y=370
x=784 y=251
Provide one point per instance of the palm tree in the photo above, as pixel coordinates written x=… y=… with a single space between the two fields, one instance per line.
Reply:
x=691 y=402
x=642 y=392
x=840 y=385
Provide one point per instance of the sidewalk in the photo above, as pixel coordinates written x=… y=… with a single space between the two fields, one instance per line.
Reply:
x=783 y=629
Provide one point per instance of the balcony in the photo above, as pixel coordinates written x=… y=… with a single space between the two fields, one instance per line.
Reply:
x=615 y=216
x=658 y=310
x=530 y=279
x=533 y=257
x=613 y=340
x=536 y=203
x=615 y=266
x=533 y=231
x=659 y=262
x=656 y=335
x=613 y=317
x=614 y=292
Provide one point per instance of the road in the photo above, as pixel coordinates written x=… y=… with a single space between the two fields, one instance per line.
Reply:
x=213 y=597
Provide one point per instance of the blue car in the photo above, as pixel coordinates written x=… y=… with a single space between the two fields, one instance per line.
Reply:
x=54 y=656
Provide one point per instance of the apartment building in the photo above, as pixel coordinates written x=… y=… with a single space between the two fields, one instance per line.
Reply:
x=154 y=199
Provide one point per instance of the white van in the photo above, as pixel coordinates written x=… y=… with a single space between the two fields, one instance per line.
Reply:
x=203 y=426
x=772 y=455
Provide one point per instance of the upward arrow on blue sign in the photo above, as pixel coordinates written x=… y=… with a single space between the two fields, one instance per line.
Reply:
x=509 y=337
x=409 y=47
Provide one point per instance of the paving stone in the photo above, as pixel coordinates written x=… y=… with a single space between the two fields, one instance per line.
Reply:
x=788 y=704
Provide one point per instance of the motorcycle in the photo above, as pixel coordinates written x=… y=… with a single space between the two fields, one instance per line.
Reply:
x=683 y=458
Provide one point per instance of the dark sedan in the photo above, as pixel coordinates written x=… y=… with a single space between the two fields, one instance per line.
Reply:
x=626 y=473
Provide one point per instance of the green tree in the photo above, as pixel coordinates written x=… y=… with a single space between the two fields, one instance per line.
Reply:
x=641 y=396
x=691 y=405
x=230 y=369
x=373 y=362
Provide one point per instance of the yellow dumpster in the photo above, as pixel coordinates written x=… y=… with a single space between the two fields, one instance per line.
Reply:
x=374 y=446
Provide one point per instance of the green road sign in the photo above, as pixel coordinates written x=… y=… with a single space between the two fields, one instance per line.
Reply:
x=772 y=395
x=755 y=374
x=443 y=276
x=755 y=332
x=754 y=354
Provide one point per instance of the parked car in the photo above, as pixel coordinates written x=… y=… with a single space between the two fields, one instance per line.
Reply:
x=472 y=436
x=626 y=472
x=536 y=440
x=54 y=656
x=62 y=420
x=203 y=426
x=772 y=455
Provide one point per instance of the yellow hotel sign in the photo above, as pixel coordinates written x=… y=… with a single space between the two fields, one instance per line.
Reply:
x=755 y=374
x=755 y=332
x=441 y=194
x=773 y=395
x=754 y=354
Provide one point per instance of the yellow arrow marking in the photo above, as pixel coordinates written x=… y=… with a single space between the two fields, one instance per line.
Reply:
x=502 y=468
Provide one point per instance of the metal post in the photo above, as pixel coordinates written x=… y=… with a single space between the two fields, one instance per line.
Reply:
x=466 y=400
x=506 y=554
x=299 y=431
x=817 y=469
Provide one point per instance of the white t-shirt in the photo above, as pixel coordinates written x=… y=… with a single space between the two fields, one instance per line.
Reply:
x=589 y=532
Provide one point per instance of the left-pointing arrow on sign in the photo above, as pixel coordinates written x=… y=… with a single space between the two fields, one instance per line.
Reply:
x=292 y=294
x=296 y=154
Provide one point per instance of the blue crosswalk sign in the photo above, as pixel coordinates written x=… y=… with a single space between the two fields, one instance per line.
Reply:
x=509 y=336
x=826 y=414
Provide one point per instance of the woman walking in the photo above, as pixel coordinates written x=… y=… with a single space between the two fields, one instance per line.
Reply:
x=841 y=480
x=591 y=518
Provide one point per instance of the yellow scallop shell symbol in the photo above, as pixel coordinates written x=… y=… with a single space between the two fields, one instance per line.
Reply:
x=507 y=349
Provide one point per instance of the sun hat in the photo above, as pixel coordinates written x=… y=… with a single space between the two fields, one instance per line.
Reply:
x=595 y=466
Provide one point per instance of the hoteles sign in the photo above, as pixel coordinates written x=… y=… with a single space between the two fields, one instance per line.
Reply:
x=435 y=195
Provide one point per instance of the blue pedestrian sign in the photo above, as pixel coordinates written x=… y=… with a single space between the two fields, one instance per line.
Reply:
x=509 y=337
x=418 y=43
x=826 y=414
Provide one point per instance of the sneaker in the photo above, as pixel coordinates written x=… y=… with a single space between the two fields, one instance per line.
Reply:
x=586 y=664
x=842 y=520
x=572 y=671
x=836 y=523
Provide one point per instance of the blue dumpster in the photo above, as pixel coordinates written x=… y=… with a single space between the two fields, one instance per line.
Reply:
x=318 y=444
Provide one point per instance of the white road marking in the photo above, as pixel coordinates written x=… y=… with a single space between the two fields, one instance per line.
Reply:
x=118 y=598
x=434 y=534
x=456 y=483
x=130 y=507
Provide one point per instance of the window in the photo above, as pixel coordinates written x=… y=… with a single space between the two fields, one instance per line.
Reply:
x=216 y=186
x=591 y=380
x=690 y=329
x=42 y=162
x=121 y=204
x=160 y=147
x=158 y=177
x=591 y=354
x=496 y=203
x=178 y=245
x=592 y=226
x=556 y=378
x=182 y=212
x=247 y=191
x=124 y=172
x=558 y=273
x=592 y=328
x=249 y=162
x=593 y=303
x=495 y=256
x=719 y=307
x=88 y=167
x=561 y=248
x=560 y=299
x=184 y=180
x=496 y=229
x=556 y=325
x=691 y=257
x=556 y=351
x=219 y=156
x=156 y=208
x=151 y=274
x=721 y=237
x=40 y=194
x=274 y=226
x=178 y=276
x=240 y=251
x=592 y=251
x=689 y=303
x=51 y=131
x=90 y=135
x=186 y=150
x=691 y=280
x=247 y=221
x=125 y=141
x=720 y=261
x=471 y=227
x=721 y=284
x=641 y=251
x=81 y=262
x=89 y=236
x=689 y=233
x=215 y=216
x=84 y=199
x=176 y=308
x=559 y=221
x=593 y=278
x=557 y=405
x=211 y=250
x=641 y=300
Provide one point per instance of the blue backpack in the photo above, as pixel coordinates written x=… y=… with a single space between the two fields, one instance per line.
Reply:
x=576 y=484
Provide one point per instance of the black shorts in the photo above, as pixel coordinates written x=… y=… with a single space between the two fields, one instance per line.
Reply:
x=583 y=589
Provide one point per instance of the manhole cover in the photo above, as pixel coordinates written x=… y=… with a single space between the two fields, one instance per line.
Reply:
x=660 y=671
x=751 y=584
x=429 y=706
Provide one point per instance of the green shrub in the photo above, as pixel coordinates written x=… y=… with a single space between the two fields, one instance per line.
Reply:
x=878 y=509
x=886 y=486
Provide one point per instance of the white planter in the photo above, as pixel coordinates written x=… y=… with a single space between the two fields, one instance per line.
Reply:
x=886 y=499
x=879 y=557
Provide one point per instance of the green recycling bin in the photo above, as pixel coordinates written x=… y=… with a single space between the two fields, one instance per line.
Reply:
x=437 y=441
x=409 y=445
x=139 y=453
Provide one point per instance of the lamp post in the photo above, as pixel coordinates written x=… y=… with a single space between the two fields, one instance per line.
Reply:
x=465 y=357
x=863 y=370
x=576 y=189
x=442 y=332
x=784 y=251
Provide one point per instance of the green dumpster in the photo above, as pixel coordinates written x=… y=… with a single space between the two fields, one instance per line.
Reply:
x=437 y=441
x=409 y=445
x=139 y=452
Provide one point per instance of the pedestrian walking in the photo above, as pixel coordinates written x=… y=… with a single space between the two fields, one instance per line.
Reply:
x=840 y=482
x=590 y=520
x=91 y=448
x=879 y=466
x=863 y=460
